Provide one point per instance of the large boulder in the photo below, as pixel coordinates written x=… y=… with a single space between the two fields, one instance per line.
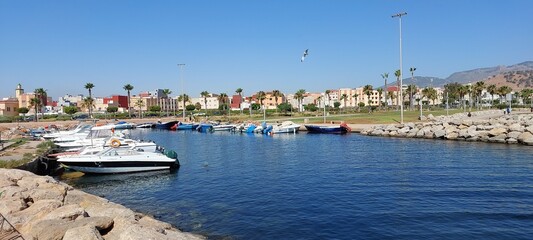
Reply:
x=440 y=133
x=452 y=136
x=516 y=127
x=56 y=228
x=498 y=139
x=14 y=174
x=526 y=138
x=83 y=233
x=34 y=212
x=497 y=131
x=69 y=212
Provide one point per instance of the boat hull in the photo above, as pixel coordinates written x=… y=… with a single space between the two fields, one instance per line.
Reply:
x=112 y=167
x=326 y=129
x=166 y=125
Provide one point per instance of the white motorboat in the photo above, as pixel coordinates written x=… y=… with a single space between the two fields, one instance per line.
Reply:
x=117 y=160
x=80 y=132
x=286 y=127
x=224 y=127
x=96 y=136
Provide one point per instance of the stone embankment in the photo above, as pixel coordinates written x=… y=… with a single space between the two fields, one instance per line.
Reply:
x=485 y=126
x=40 y=207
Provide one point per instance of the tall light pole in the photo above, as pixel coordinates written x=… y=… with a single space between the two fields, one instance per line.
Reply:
x=181 y=65
x=399 y=15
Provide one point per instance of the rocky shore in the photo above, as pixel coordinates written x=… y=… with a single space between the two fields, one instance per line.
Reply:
x=40 y=207
x=484 y=126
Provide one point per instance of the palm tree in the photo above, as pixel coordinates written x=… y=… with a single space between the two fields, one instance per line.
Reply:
x=391 y=96
x=90 y=86
x=412 y=70
x=222 y=99
x=478 y=89
x=344 y=97
x=492 y=90
x=397 y=73
x=239 y=91
x=88 y=103
x=299 y=95
x=385 y=76
x=355 y=96
x=504 y=90
x=38 y=101
x=463 y=90
x=380 y=92
x=411 y=90
x=261 y=96
x=329 y=98
x=166 y=92
x=184 y=98
x=128 y=87
x=139 y=103
x=276 y=94
x=368 y=90
x=205 y=94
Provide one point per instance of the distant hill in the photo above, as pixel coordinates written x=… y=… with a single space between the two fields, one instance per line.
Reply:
x=516 y=76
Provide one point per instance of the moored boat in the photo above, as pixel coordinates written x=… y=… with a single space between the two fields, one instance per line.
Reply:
x=165 y=125
x=115 y=160
x=341 y=129
x=204 y=127
x=286 y=127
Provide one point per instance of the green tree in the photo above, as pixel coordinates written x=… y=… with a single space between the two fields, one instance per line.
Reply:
x=70 y=110
x=89 y=87
x=328 y=92
x=205 y=94
x=140 y=104
x=154 y=108
x=285 y=107
x=299 y=95
x=368 y=90
x=276 y=94
x=492 y=90
x=223 y=99
x=398 y=74
x=128 y=87
x=88 y=103
x=380 y=92
x=184 y=98
x=477 y=90
x=385 y=76
x=190 y=107
x=112 y=109
x=503 y=91
x=23 y=110
x=355 y=96
x=336 y=105
x=239 y=91
x=197 y=106
x=311 y=107
x=344 y=97
x=261 y=96
x=411 y=90
x=166 y=93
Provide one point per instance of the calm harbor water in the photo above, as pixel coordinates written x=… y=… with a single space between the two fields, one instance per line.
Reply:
x=307 y=186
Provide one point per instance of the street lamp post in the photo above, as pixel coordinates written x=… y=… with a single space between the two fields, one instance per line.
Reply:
x=399 y=15
x=181 y=65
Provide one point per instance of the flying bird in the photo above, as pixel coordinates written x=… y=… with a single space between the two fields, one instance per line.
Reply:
x=305 y=55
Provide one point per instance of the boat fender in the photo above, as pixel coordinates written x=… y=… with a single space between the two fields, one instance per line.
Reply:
x=115 y=143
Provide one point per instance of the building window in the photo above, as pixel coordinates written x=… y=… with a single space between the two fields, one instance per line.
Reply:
x=8 y=109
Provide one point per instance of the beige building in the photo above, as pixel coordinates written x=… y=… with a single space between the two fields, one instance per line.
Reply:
x=9 y=107
x=357 y=95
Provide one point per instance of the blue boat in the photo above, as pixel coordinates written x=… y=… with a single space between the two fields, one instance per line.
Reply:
x=251 y=128
x=204 y=127
x=343 y=128
x=165 y=125
x=187 y=126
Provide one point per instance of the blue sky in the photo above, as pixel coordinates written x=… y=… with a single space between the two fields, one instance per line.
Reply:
x=251 y=44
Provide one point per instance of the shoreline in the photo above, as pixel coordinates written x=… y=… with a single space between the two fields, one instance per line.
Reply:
x=41 y=207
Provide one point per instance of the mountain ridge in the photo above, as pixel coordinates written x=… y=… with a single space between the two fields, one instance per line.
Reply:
x=510 y=74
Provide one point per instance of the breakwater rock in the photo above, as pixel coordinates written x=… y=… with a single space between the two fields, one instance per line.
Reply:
x=511 y=129
x=40 y=207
